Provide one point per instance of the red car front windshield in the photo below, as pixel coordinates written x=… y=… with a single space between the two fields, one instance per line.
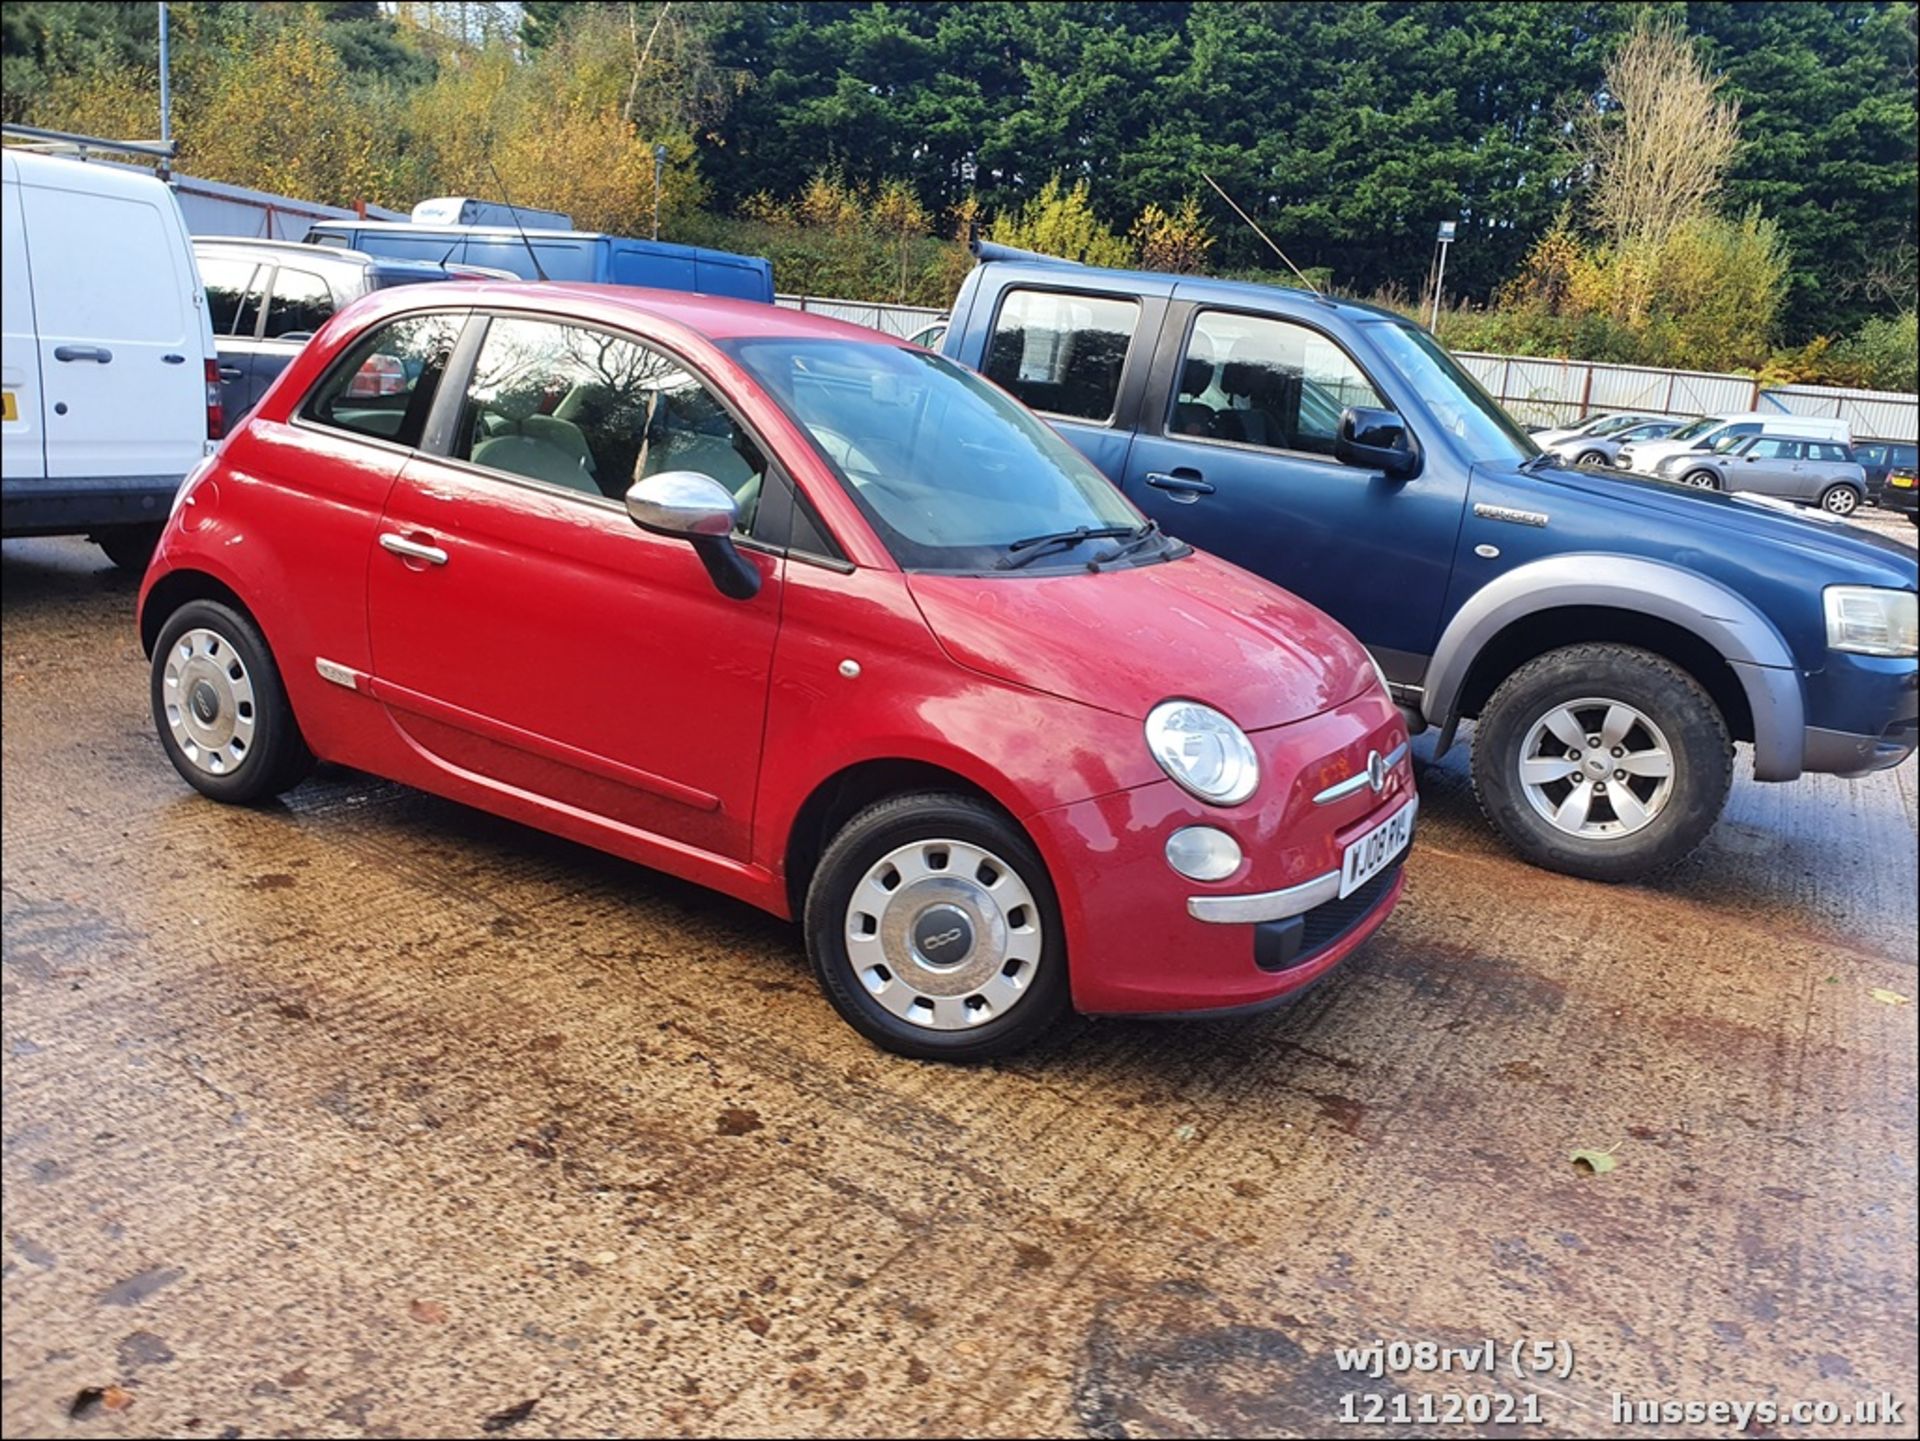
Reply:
x=952 y=474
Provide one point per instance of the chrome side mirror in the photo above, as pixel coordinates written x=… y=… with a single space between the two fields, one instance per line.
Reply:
x=696 y=508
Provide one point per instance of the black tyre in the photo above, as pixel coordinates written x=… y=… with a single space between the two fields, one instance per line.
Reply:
x=1839 y=500
x=129 y=547
x=1602 y=761
x=934 y=931
x=220 y=708
x=1592 y=457
x=1701 y=479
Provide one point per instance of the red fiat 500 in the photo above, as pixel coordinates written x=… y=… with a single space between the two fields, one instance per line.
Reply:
x=798 y=612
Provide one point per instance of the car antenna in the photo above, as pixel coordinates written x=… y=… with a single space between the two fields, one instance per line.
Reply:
x=514 y=211
x=1262 y=234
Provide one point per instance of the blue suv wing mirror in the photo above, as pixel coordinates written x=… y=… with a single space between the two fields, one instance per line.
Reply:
x=1376 y=440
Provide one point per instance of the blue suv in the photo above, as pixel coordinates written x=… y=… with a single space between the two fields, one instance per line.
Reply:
x=1611 y=636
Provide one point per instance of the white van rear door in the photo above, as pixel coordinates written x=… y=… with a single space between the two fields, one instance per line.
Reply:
x=22 y=451
x=123 y=339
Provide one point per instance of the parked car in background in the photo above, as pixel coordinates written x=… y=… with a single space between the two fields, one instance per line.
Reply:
x=1612 y=636
x=1605 y=449
x=562 y=255
x=930 y=335
x=1902 y=492
x=1813 y=472
x=995 y=740
x=1879 y=458
x=111 y=384
x=267 y=298
x=1713 y=430
x=1594 y=426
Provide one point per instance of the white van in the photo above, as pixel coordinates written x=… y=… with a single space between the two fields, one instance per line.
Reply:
x=111 y=381
x=1710 y=431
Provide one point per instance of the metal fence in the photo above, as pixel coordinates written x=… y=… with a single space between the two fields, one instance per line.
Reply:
x=898 y=320
x=1548 y=392
x=1557 y=392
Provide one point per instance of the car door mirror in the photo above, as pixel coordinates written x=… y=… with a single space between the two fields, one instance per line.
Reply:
x=1375 y=440
x=698 y=509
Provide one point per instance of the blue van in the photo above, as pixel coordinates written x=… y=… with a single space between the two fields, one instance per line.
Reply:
x=564 y=255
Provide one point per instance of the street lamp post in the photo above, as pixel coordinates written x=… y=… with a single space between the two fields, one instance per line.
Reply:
x=1440 y=277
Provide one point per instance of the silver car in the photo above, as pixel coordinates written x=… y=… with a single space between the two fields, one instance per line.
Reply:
x=1786 y=467
x=1605 y=449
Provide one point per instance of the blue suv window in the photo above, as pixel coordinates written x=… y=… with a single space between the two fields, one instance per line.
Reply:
x=1061 y=354
x=1269 y=383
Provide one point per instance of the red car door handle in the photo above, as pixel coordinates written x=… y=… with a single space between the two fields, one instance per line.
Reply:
x=413 y=549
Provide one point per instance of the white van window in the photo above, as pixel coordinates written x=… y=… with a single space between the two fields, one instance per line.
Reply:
x=106 y=269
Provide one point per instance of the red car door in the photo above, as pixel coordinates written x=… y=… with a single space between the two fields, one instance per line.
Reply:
x=526 y=632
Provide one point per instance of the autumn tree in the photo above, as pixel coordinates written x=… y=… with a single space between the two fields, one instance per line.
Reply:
x=1060 y=221
x=1659 y=144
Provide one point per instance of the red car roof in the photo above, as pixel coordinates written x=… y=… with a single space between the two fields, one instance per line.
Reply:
x=713 y=316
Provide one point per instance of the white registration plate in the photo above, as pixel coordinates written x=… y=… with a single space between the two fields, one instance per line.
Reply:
x=1369 y=855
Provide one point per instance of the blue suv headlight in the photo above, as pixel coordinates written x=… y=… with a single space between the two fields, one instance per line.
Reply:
x=1872 y=620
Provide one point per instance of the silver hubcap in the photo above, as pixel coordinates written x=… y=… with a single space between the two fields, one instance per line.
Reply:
x=1700 y=480
x=1597 y=769
x=944 y=934
x=209 y=701
x=1841 y=502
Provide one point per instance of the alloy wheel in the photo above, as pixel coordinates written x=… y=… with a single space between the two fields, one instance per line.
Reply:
x=1597 y=768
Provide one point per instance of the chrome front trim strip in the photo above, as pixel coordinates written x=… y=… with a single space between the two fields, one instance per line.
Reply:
x=1341 y=790
x=1268 y=905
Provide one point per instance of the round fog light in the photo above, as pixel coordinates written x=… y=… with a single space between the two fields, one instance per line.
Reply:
x=1200 y=853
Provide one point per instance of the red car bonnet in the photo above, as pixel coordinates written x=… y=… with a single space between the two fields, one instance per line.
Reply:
x=1197 y=628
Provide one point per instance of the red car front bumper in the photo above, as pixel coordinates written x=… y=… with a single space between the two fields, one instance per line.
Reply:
x=1136 y=946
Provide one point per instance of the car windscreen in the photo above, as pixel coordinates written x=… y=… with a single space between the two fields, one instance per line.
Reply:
x=953 y=474
x=1455 y=398
x=1695 y=429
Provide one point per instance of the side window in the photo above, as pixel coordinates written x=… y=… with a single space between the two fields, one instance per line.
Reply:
x=1060 y=353
x=1830 y=452
x=1266 y=382
x=1772 y=450
x=384 y=386
x=593 y=412
x=301 y=304
x=225 y=282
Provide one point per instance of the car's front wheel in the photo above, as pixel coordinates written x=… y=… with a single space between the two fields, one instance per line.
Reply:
x=933 y=929
x=1603 y=761
x=220 y=708
x=1701 y=479
x=1592 y=457
x=1840 y=500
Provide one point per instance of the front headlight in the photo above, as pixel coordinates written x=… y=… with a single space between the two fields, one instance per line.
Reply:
x=1204 y=751
x=1870 y=620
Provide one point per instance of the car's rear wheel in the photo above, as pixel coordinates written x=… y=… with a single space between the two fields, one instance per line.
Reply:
x=129 y=547
x=1701 y=480
x=1839 y=500
x=1602 y=761
x=221 y=709
x=934 y=931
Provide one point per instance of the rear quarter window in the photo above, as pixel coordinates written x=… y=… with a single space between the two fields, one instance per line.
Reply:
x=1062 y=353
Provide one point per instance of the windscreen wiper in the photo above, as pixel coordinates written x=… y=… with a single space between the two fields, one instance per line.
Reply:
x=1138 y=537
x=1540 y=458
x=1033 y=547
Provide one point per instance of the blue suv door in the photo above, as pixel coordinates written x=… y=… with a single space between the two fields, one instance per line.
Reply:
x=1235 y=455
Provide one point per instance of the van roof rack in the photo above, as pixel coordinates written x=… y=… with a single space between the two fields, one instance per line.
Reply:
x=62 y=142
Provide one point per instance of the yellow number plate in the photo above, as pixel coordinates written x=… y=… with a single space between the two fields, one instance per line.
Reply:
x=9 y=408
